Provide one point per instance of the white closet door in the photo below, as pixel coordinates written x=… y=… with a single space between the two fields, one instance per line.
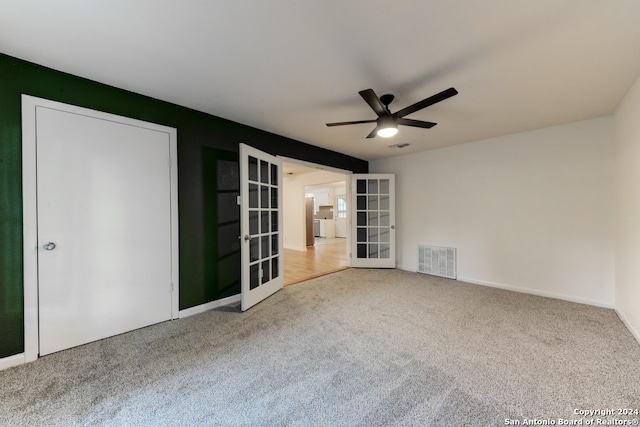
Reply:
x=104 y=228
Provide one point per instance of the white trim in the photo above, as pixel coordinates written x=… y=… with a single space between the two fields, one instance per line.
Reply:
x=296 y=248
x=538 y=293
x=634 y=331
x=11 y=361
x=530 y=291
x=210 y=306
x=30 y=228
x=314 y=165
x=175 y=234
x=29 y=201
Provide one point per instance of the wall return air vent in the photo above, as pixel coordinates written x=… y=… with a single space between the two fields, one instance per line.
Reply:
x=437 y=261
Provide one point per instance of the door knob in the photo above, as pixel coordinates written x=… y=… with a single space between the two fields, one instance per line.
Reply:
x=49 y=246
x=247 y=237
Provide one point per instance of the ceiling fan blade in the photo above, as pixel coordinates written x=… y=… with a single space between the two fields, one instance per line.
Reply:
x=351 y=123
x=426 y=102
x=373 y=133
x=372 y=99
x=416 y=123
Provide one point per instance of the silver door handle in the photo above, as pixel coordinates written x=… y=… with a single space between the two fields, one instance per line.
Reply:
x=393 y=227
x=49 y=246
x=247 y=237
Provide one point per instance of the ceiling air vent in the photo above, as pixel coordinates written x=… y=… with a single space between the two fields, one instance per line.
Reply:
x=437 y=261
x=401 y=145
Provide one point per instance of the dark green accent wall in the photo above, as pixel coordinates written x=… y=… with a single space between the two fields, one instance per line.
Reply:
x=207 y=169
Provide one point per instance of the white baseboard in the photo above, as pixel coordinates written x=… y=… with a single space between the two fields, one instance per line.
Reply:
x=537 y=292
x=209 y=306
x=11 y=361
x=526 y=290
x=296 y=248
x=19 y=359
x=634 y=331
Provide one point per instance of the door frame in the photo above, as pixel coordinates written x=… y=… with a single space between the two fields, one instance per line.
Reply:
x=347 y=184
x=30 y=213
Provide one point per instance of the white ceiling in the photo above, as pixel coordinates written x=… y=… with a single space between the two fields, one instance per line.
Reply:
x=290 y=66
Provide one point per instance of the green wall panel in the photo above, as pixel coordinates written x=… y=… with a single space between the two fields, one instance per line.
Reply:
x=207 y=167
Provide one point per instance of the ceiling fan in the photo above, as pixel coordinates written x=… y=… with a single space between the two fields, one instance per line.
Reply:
x=387 y=122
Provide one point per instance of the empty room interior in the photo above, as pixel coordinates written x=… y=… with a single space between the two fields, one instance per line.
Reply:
x=468 y=170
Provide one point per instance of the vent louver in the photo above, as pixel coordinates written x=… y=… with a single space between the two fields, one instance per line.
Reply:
x=437 y=261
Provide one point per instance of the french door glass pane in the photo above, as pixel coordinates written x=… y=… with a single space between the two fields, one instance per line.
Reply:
x=362 y=250
x=264 y=222
x=266 y=247
x=373 y=218
x=373 y=251
x=384 y=203
x=266 y=276
x=384 y=186
x=264 y=197
x=385 y=251
x=253 y=169
x=373 y=203
x=264 y=171
x=254 y=276
x=384 y=219
x=253 y=223
x=254 y=249
x=373 y=186
x=253 y=196
x=362 y=219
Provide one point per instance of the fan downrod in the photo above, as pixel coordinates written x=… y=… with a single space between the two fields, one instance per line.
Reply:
x=386 y=100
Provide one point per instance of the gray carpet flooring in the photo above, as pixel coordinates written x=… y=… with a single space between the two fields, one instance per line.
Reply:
x=355 y=348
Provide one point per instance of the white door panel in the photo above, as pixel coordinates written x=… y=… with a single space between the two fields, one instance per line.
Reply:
x=104 y=200
x=261 y=225
x=373 y=221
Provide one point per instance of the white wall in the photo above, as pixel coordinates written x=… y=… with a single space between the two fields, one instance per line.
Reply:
x=294 y=208
x=529 y=212
x=627 y=185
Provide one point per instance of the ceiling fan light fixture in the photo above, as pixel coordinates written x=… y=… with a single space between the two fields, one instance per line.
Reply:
x=388 y=127
x=388 y=131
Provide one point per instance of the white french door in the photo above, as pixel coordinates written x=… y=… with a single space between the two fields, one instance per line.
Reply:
x=373 y=237
x=261 y=225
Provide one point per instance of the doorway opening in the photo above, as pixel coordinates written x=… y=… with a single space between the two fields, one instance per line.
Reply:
x=316 y=217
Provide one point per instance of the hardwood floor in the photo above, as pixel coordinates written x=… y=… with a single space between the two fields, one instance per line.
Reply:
x=316 y=261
